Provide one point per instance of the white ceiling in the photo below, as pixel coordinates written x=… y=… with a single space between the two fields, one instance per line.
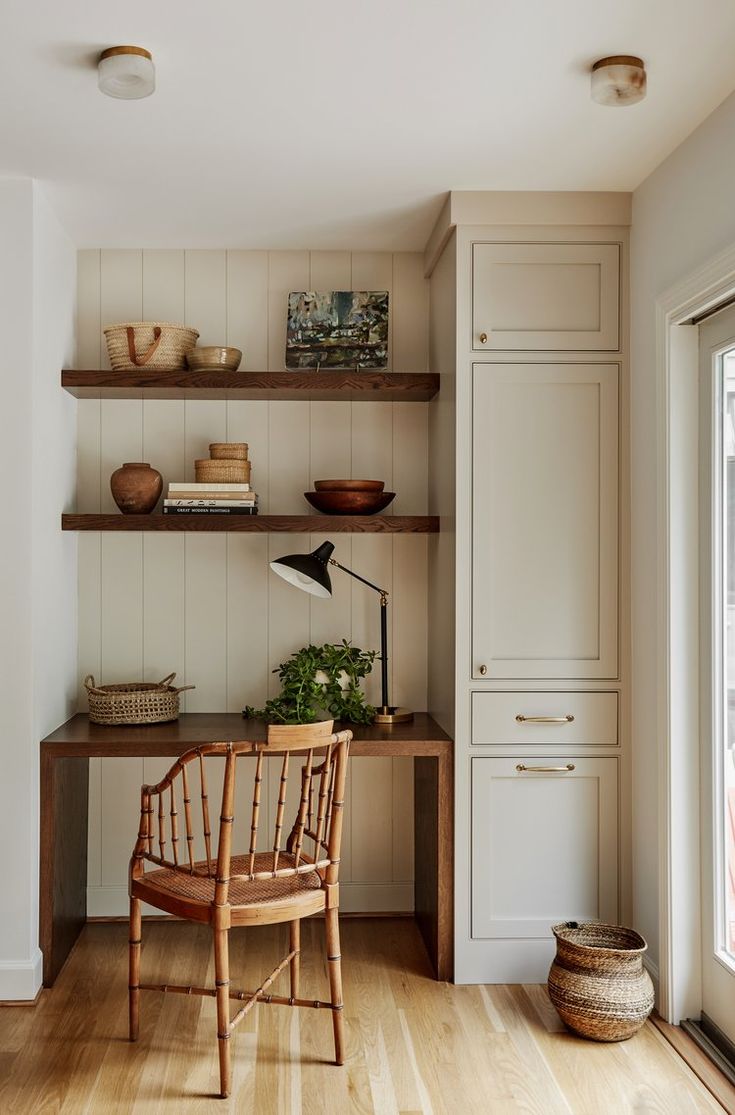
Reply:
x=334 y=124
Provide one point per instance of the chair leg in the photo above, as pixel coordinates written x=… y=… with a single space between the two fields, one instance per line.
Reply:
x=222 y=985
x=134 y=967
x=334 y=966
x=295 y=946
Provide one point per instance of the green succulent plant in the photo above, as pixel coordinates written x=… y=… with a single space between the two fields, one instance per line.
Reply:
x=319 y=681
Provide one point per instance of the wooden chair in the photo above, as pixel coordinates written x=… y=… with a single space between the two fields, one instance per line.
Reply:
x=255 y=888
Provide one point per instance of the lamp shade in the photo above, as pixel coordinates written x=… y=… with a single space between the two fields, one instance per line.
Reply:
x=309 y=572
x=126 y=72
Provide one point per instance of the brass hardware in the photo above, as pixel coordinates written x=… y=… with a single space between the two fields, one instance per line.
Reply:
x=544 y=719
x=520 y=767
x=483 y=338
x=483 y=669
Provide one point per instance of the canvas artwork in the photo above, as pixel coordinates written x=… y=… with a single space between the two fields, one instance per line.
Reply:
x=337 y=329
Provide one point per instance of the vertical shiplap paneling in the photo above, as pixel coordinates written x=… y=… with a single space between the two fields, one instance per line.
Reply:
x=205 y=592
x=121 y=299
x=287 y=271
x=121 y=627
x=372 y=779
x=247 y=561
x=247 y=307
x=410 y=313
x=247 y=556
x=214 y=602
x=410 y=354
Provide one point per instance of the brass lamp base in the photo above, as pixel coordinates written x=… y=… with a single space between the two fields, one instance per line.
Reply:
x=392 y=714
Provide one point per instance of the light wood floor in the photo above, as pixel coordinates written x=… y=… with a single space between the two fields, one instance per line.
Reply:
x=414 y=1045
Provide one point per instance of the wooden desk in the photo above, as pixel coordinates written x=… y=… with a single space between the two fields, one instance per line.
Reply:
x=65 y=758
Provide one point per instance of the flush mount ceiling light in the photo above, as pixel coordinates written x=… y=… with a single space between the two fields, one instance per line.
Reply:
x=618 y=80
x=126 y=72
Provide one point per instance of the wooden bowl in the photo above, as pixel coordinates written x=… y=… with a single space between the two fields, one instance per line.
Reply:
x=349 y=485
x=349 y=503
x=214 y=356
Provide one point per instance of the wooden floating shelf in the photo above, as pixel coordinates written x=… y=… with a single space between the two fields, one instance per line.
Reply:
x=342 y=386
x=258 y=524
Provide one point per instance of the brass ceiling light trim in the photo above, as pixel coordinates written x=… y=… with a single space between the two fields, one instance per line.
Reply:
x=618 y=80
x=126 y=72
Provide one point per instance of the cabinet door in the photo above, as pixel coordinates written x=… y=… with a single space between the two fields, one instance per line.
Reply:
x=544 y=844
x=545 y=521
x=541 y=297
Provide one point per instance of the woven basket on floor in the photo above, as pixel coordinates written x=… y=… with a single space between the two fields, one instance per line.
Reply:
x=137 y=702
x=149 y=344
x=228 y=451
x=597 y=981
x=222 y=472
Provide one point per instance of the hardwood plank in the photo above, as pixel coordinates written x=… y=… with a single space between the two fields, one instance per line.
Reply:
x=183 y=384
x=698 y=1062
x=268 y=524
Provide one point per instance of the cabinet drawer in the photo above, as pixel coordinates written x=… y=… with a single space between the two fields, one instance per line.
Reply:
x=553 y=297
x=564 y=719
x=544 y=844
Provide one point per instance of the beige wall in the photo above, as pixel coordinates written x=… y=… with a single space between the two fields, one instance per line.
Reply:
x=683 y=215
x=207 y=606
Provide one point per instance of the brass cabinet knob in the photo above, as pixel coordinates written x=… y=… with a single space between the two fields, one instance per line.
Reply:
x=483 y=338
x=483 y=669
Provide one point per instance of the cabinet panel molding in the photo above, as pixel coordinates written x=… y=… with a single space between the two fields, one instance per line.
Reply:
x=544 y=844
x=546 y=297
x=545 y=521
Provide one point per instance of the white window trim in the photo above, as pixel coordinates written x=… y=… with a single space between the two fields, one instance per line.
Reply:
x=677 y=407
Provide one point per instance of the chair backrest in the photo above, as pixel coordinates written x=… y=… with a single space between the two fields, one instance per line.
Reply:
x=313 y=840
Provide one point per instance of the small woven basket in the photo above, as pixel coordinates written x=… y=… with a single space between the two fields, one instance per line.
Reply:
x=137 y=702
x=222 y=472
x=597 y=981
x=149 y=344
x=228 y=451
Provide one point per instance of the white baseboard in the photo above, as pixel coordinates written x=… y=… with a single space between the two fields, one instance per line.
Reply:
x=20 y=980
x=354 y=898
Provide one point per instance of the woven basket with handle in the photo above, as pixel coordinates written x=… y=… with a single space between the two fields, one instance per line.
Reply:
x=149 y=344
x=136 y=702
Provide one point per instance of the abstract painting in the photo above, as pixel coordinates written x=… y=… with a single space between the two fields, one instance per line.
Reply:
x=337 y=329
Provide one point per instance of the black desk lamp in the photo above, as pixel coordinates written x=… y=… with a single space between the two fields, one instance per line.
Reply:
x=310 y=572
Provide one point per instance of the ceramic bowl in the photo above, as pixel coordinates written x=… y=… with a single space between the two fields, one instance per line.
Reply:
x=350 y=503
x=214 y=356
x=349 y=485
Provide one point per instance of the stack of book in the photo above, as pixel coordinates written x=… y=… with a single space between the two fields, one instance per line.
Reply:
x=210 y=499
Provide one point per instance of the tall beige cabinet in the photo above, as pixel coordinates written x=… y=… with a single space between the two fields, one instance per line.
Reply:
x=528 y=473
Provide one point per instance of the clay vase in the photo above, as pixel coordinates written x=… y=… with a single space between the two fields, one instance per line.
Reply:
x=597 y=981
x=136 y=488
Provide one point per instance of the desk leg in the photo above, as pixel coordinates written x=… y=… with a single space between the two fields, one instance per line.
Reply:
x=434 y=858
x=63 y=867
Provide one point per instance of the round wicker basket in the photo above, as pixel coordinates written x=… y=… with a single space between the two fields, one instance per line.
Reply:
x=597 y=981
x=228 y=451
x=137 y=702
x=222 y=471
x=149 y=344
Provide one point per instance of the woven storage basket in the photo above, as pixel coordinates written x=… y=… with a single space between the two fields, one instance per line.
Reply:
x=149 y=344
x=222 y=472
x=597 y=981
x=136 y=702
x=228 y=451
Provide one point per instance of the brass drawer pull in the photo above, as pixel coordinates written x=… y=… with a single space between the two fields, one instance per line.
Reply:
x=483 y=338
x=544 y=719
x=520 y=767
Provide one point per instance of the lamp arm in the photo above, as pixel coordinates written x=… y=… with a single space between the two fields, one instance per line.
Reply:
x=383 y=592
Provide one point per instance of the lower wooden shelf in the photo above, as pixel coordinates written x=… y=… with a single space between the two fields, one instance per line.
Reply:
x=258 y=524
